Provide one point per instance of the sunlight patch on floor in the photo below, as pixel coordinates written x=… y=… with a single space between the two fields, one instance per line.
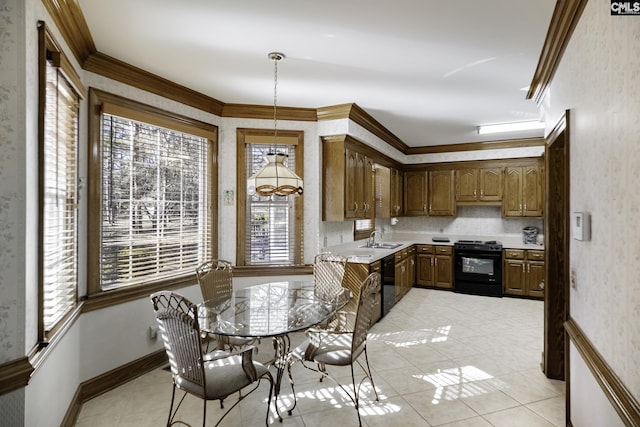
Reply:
x=405 y=339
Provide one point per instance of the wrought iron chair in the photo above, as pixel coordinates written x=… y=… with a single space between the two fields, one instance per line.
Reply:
x=215 y=278
x=341 y=348
x=328 y=273
x=212 y=376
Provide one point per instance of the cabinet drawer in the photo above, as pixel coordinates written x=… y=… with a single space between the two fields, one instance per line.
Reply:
x=444 y=250
x=425 y=249
x=514 y=253
x=535 y=255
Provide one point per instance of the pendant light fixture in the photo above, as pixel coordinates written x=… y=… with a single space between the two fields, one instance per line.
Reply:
x=275 y=177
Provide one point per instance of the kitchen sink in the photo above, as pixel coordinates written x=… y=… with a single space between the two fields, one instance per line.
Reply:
x=385 y=245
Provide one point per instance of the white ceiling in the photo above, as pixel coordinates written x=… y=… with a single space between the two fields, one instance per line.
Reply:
x=430 y=71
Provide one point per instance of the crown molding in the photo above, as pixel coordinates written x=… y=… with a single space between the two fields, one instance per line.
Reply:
x=475 y=146
x=334 y=112
x=248 y=111
x=15 y=374
x=563 y=21
x=360 y=116
x=115 y=69
x=70 y=21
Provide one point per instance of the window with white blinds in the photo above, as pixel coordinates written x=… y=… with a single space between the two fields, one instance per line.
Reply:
x=271 y=228
x=363 y=226
x=58 y=184
x=156 y=202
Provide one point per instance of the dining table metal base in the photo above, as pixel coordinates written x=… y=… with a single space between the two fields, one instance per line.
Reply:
x=282 y=348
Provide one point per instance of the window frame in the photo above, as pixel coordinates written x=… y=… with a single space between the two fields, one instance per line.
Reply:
x=360 y=233
x=96 y=296
x=49 y=51
x=266 y=137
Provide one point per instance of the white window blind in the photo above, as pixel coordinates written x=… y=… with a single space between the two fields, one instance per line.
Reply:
x=270 y=220
x=59 y=205
x=156 y=221
x=364 y=225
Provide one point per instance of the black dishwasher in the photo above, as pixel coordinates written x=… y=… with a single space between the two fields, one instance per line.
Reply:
x=388 y=277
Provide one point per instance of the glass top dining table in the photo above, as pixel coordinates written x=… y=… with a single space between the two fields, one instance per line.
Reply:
x=269 y=309
x=274 y=310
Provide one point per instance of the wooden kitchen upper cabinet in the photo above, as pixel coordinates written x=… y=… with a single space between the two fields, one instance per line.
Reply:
x=351 y=174
x=368 y=189
x=348 y=181
x=491 y=184
x=466 y=185
x=388 y=193
x=397 y=184
x=523 y=186
x=441 y=193
x=415 y=193
x=479 y=185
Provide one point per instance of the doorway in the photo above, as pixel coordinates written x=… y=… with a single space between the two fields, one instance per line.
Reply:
x=556 y=235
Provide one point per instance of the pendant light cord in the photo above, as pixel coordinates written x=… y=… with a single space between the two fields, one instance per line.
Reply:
x=276 y=58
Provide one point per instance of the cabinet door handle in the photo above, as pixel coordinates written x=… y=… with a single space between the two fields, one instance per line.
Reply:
x=474 y=193
x=541 y=285
x=356 y=205
x=523 y=270
x=525 y=206
x=481 y=193
x=424 y=207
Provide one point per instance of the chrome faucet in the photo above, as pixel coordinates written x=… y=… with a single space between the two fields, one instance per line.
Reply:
x=372 y=238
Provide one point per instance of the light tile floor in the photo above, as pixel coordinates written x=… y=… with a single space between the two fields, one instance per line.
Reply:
x=439 y=359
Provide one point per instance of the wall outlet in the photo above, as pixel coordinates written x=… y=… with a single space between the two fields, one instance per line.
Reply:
x=574 y=279
x=153 y=332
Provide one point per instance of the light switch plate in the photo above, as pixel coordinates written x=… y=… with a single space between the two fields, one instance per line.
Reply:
x=581 y=225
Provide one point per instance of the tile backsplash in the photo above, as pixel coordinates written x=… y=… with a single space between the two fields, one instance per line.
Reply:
x=470 y=220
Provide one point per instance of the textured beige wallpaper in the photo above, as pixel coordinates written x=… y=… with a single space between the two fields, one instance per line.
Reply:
x=599 y=81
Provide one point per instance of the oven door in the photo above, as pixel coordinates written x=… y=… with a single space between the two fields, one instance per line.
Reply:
x=481 y=267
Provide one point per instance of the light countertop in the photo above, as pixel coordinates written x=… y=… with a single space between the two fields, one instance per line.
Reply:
x=364 y=255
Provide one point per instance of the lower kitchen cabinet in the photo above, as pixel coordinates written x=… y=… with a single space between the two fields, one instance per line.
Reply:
x=405 y=271
x=524 y=273
x=354 y=275
x=434 y=266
